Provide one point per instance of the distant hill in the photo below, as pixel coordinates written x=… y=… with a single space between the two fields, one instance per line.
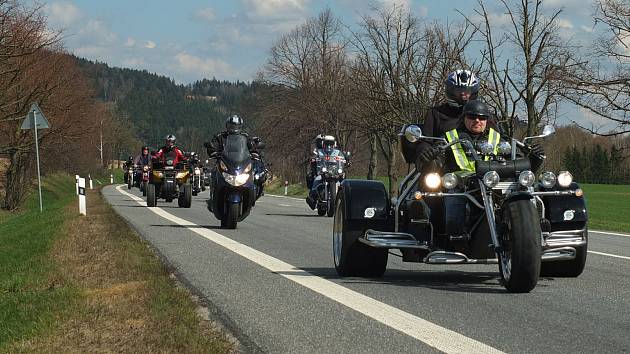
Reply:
x=157 y=106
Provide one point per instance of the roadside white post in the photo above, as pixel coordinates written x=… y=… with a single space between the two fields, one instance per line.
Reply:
x=76 y=184
x=286 y=187
x=90 y=178
x=82 y=206
x=111 y=179
x=33 y=123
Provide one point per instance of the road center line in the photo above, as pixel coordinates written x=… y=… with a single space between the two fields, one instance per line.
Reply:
x=608 y=254
x=430 y=333
x=285 y=205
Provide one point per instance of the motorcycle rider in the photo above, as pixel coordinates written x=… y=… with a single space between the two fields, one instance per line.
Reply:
x=325 y=145
x=460 y=87
x=170 y=147
x=473 y=126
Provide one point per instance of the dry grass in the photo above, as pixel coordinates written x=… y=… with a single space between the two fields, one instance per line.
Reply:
x=128 y=301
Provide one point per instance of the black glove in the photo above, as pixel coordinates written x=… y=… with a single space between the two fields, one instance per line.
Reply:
x=427 y=154
x=537 y=150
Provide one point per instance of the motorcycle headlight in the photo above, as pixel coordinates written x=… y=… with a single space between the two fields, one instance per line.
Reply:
x=565 y=178
x=236 y=180
x=324 y=169
x=180 y=175
x=145 y=168
x=432 y=180
x=449 y=181
x=197 y=171
x=504 y=148
x=486 y=148
x=491 y=179
x=247 y=168
x=548 y=179
x=339 y=171
x=526 y=178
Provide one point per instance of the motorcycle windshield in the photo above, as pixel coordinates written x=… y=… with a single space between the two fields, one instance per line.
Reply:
x=235 y=151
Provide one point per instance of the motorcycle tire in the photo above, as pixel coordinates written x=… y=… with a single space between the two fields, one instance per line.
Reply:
x=520 y=259
x=144 y=189
x=184 y=199
x=351 y=257
x=321 y=209
x=332 y=195
x=569 y=269
x=129 y=183
x=151 y=197
x=195 y=193
x=231 y=215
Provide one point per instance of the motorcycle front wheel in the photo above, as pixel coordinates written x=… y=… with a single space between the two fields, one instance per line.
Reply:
x=332 y=195
x=230 y=216
x=519 y=258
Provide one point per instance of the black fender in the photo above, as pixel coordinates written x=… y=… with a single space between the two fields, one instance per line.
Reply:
x=557 y=205
x=363 y=194
x=522 y=195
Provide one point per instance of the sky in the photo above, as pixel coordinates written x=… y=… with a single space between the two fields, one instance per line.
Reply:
x=189 y=40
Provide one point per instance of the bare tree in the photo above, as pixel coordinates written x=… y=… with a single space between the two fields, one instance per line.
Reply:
x=602 y=87
x=525 y=62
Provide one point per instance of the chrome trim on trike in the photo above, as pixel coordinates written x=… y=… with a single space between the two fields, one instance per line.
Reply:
x=383 y=239
x=446 y=257
x=558 y=254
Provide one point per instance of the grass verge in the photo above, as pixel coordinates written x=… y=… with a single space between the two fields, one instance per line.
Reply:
x=99 y=288
x=297 y=190
x=608 y=206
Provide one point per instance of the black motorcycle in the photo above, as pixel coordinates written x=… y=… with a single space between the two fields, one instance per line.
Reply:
x=232 y=189
x=529 y=226
x=330 y=173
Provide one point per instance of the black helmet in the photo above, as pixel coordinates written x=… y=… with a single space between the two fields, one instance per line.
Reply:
x=234 y=124
x=461 y=81
x=476 y=108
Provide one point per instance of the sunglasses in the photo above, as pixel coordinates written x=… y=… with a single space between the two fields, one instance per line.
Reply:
x=481 y=118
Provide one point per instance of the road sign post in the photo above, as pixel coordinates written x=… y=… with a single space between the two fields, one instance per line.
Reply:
x=32 y=122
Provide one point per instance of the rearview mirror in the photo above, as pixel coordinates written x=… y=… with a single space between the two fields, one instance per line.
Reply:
x=413 y=133
x=548 y=130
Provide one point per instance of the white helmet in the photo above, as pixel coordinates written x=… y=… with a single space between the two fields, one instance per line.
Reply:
x=461 y=81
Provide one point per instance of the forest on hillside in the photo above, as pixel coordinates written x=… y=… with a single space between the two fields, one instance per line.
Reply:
x=155 y=105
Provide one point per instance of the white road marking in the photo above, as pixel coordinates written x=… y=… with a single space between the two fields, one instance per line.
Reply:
x=285 y=205
x=608 y=254
x=430 y=333
x=283 y=196
x=608 y=233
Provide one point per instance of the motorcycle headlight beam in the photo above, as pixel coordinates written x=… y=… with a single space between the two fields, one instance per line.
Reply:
x=565 y=178
x=432 y=180
x=236 y=180
x=526 y=178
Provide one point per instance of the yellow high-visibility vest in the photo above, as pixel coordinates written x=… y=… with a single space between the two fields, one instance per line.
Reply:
x=460 y=156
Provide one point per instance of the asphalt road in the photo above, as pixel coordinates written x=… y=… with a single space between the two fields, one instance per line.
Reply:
x=274 y=284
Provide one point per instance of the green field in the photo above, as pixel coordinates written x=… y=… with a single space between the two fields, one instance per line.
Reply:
x=608 y=205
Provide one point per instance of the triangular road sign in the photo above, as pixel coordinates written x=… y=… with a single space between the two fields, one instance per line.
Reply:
x=35 y=112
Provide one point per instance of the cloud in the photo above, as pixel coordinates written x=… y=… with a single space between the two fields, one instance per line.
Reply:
x=205 y=15
x=275 y=8
x=150 y=44
x=208 y=67
x=564 y=23
x=97 y=32
x=62 y=13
